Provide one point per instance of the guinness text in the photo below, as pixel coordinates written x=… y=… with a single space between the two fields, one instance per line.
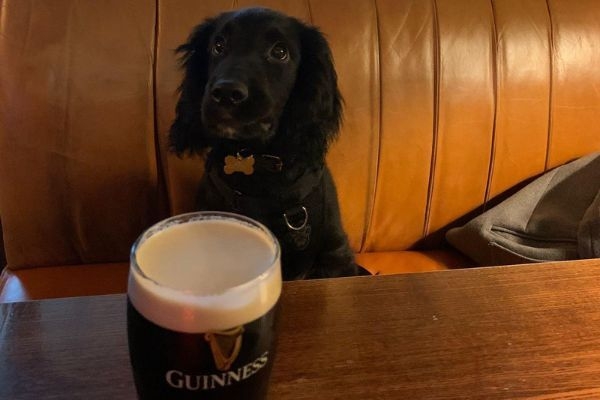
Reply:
x=181 y=380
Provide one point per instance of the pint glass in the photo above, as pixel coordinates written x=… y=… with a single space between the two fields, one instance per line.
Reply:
x=201 y=307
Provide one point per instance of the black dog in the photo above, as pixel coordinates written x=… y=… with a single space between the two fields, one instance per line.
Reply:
x=261 y=92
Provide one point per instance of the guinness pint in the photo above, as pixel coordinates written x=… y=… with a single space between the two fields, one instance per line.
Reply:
x=201 y=308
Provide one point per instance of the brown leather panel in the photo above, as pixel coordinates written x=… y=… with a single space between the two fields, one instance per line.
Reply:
x=575 y=125
x=353 y=37
x=407 y=75
x=296 y=8
x=523 y=92
x=400 y=262
x=78 y=175
x=354 y=45
x=465 y=104
x=65 y=281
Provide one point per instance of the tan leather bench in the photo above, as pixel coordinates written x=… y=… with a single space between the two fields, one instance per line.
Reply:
x=449 y=104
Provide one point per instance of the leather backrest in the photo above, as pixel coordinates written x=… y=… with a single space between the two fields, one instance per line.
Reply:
x=448 y=104
x=78 y=172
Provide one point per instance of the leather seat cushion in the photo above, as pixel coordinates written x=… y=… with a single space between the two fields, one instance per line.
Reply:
x=99 y=279
x=63 y=281
x=400 y=262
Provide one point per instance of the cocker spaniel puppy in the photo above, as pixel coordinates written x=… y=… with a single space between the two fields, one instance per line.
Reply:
x=260 y=94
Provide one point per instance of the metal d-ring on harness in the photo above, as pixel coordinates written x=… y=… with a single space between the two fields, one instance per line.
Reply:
x=299 y=230
x=302 y=225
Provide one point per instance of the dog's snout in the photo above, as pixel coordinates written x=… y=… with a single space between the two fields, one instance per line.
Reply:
x=225 y=91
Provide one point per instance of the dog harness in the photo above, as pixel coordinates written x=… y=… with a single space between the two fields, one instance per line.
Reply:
x=296 y=215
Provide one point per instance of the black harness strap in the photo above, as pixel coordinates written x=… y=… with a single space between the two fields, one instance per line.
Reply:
x=239 y=201
x=294 y=214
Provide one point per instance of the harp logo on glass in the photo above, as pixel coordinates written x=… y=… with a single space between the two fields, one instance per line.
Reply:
x=225 y=347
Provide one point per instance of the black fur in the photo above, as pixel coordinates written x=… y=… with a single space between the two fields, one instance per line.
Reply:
x=262 y=83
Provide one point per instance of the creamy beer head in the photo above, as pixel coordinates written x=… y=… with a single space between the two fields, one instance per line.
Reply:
x=205 y=271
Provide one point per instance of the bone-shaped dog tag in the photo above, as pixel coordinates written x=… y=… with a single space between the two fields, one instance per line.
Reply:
x=241 y=164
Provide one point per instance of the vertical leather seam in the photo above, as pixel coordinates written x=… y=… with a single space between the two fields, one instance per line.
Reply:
x=374 y=176
x=494 y=61
x=73 y=226
x=310 y=15
x=550 y=86
x=234 y=4
x=163 y=199
x=436 y=115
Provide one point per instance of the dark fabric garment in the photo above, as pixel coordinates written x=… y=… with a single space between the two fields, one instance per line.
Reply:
x=556 y=217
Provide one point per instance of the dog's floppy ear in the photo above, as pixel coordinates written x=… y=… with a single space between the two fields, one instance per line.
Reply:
x=187 y=132
x=313 y=112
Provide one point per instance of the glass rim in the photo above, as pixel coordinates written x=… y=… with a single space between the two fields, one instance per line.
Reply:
x=198 y=216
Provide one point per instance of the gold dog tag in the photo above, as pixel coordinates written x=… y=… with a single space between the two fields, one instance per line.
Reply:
x=241 y=164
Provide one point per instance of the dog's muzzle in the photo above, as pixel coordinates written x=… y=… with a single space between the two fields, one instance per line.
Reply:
x=229 y=92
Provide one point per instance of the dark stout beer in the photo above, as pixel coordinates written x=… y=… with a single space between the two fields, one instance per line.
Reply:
x=201 y=308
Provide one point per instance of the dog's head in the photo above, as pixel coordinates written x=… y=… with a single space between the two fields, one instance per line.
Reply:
x=256 y=76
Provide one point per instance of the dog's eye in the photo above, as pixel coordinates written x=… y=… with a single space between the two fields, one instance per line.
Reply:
x=279 y=52
x=219 y=46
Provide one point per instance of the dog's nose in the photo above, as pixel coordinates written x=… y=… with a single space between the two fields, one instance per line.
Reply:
x=229 y=91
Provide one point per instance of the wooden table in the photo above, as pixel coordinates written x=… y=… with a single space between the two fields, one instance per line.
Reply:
x=497 y=333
